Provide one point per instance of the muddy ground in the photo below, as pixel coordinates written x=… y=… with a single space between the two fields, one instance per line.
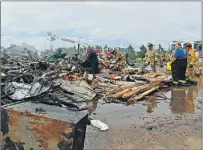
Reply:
x=151 y=124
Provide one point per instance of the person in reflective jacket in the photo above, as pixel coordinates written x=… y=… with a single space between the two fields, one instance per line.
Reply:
x=149 y=59
x=191 y=59
x=179 y=65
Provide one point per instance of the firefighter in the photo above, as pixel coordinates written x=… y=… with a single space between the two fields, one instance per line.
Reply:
x=197 y=63
x=91 y=61
x=191 y=60
x=179 y=65
x=120 y=59
x=118 y=56
x=168 y=61
x=149 y=58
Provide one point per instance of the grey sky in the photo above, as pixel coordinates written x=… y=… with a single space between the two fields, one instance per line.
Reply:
x=135 y=22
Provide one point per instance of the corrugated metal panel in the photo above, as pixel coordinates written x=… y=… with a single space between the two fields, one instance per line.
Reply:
x=39 y=126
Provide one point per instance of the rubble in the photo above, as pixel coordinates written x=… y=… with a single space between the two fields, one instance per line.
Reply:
x=69 y=82
x=78 y=87
x=59 y=83
x=42 y=126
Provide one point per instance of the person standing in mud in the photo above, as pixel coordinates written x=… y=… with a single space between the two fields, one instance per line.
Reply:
x=150 y=59
x=91 y=61
x=179 y=65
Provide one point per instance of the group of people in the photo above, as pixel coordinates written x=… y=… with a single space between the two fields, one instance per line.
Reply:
x=92 y=61
x=120 y=59
x=184 y=61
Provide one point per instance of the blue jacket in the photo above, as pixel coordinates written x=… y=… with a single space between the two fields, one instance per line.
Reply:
x=92 y=52
x=180 y=53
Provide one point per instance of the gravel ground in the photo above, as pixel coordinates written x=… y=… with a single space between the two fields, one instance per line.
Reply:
x=135 y=127
x=181 y=132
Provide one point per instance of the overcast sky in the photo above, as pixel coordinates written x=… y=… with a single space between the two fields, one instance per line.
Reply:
x=114 y=24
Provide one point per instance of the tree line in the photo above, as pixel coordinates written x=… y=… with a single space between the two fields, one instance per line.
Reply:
x=133 y=55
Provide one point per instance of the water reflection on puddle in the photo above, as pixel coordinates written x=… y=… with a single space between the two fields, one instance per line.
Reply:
x=182 y=100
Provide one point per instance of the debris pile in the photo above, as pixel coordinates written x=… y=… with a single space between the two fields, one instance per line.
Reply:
x=66 y=83
x=142 y=86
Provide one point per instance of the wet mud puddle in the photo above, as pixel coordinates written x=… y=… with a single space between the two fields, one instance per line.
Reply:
x=181 y=100
x=163 y=120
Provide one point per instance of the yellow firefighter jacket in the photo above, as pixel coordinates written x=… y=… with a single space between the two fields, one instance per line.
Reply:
x=191 y=57
x=150 y=56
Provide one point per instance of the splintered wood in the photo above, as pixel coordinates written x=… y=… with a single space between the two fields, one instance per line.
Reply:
x=154 y=77
x=140 y=96
x=134 y=92
x=121 y=88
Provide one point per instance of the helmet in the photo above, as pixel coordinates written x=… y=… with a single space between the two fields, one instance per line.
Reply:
x=188 y=44
x=149 y=44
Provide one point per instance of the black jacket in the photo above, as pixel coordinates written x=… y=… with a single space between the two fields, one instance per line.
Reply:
x=93 y=62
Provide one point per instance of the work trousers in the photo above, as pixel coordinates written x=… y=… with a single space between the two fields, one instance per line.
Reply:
x=152 y=65
x=179 y=67
x=190 y=70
